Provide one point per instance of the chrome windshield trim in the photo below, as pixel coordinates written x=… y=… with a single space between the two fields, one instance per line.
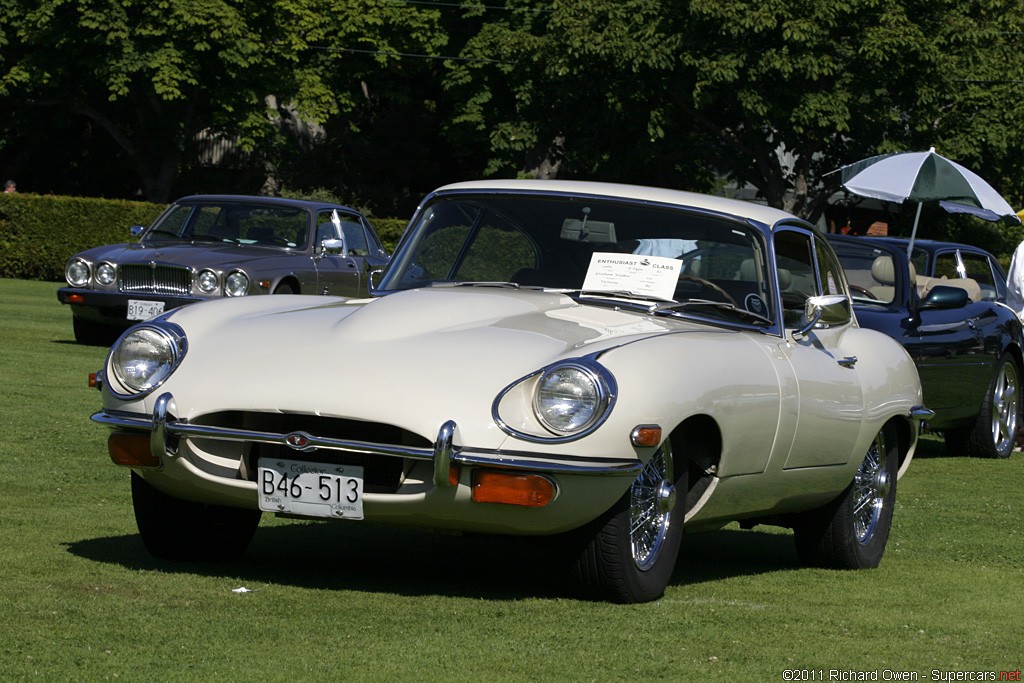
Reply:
x=166 y=432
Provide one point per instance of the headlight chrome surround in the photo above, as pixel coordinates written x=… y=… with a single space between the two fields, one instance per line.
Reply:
x=569 y=400
x=236 y=284
x=106 y=273
x=207 y=281
x=77 y=272
x=145 y=356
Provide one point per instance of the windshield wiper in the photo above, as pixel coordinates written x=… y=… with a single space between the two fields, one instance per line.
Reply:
x=720 y=305
x=652 y=301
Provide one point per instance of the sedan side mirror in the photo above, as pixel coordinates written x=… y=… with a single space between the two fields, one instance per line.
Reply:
x=825 y=311
x=137 y=230
x=946 y=297
x=335 y=247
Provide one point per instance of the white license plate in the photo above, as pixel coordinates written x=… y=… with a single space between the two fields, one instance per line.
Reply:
x=144 y=310
x=312 y=489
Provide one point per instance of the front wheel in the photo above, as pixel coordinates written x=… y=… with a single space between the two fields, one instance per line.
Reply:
x=175 y=529
x=851 y=532
x=629 y=553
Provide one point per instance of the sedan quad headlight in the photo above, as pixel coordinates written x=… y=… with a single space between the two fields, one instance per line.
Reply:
x=236 y=284
x=146 y=356
x=570 y=398
x=105 y=273
x=207 y=282
x=77 y=273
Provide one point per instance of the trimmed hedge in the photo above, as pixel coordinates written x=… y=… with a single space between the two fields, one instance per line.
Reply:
x=39 y=233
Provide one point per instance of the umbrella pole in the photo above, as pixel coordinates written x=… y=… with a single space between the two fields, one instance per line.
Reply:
x=913 y=232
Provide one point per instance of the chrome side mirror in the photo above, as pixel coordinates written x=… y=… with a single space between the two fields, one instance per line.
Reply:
x=823 y=312
x=335 y=247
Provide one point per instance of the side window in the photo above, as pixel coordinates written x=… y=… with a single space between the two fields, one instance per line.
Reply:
x=979 y=270
x=794 y=261
x=829 y=270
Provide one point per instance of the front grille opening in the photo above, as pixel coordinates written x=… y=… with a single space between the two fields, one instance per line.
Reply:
x=147 y=279
x=381 y=474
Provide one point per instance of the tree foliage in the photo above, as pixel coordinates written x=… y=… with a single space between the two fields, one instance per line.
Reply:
x=394 y=96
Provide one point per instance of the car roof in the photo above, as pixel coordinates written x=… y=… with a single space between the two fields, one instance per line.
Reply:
x=735 y=207
x=305 y=204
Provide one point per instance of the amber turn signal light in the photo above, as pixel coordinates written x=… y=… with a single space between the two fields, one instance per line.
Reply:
x=131 y=449
x=527 y=490
x=76 y=299
x=646 y=436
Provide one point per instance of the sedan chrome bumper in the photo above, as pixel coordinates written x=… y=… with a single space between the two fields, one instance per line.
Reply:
x=166 y=431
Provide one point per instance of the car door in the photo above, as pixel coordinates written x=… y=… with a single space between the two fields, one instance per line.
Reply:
x=828 y=404
x=341 y=274
x=954 y=347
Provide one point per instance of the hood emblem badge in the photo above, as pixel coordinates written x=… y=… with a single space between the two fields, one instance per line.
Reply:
x=300 y=441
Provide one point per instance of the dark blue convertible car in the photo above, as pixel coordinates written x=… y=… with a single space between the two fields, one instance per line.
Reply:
x=945 y=305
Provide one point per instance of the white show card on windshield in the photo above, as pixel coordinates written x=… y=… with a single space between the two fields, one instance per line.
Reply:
x=653 y=276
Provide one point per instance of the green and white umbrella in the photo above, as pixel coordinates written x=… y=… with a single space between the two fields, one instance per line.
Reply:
x=925 y=177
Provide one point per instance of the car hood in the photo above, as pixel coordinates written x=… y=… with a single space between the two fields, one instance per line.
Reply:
x=197 y=255
x=415 y=358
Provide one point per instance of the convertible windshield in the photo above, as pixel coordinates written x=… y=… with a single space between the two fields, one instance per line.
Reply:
x=599 y=246
x=234 y=223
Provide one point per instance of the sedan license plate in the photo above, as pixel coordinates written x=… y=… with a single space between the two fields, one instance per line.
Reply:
x=144 y=310
x=313 y=489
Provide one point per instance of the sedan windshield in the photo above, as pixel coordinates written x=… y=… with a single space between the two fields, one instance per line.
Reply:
x=233 y=223
x=595 y=246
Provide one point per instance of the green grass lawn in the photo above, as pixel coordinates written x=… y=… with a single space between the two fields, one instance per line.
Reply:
x=81 y=600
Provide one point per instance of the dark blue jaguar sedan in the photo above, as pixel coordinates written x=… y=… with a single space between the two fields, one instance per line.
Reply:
x=945 y=305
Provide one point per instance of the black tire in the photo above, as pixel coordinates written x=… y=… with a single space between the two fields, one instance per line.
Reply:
x=628 y=554
x=851 y=532
x=92 y=333
x=175 y=529
x=995 y=430
x=285 y=288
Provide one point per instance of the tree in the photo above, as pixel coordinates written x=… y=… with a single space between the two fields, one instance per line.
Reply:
x=771 y=94
x=153 y=75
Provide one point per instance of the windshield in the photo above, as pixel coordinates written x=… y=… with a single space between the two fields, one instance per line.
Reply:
x=559 y=242
x=234 y=223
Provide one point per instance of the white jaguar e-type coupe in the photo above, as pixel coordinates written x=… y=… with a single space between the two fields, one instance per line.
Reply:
x=606 y=363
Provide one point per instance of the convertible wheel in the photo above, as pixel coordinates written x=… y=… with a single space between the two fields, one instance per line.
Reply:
x=994 y=431
x=630 y=552
x=851 y=531
x=175 y=529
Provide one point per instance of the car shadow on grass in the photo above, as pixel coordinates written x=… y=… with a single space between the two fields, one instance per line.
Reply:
x=364 y=557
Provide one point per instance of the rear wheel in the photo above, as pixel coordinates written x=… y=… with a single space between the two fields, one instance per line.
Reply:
x=851 y=532
x=175 y=529
x=995 y=430
x=629 y=553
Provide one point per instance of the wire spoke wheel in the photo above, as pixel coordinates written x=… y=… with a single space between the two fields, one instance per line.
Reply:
x=870 y=490
x=652 y=497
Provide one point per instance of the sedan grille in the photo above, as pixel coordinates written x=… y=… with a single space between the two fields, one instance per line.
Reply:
x=146 y=279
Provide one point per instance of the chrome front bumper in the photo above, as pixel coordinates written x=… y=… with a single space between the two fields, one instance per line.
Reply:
x=166 y=431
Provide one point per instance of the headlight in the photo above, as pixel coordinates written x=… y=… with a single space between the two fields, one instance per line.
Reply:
x=570 y=398
x=105 y=273
x=146 y=356
x=236 y=284
x=207 y=282
x=77 y=273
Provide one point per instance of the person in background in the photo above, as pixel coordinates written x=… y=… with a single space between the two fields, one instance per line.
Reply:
x=10 y=187
x=1015 y=282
